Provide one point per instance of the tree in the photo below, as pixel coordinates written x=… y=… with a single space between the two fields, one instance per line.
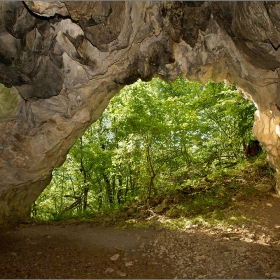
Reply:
x=154 y=136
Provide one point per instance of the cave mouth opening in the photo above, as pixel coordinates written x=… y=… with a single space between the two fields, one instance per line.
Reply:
x=153 y=139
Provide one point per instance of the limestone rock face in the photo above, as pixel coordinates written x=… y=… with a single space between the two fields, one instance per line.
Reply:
x=61 y=62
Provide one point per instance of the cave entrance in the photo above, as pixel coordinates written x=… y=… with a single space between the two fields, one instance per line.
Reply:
x=152 y=139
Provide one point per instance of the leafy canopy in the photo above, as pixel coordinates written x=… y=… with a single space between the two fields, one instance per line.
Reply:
x=152 y=137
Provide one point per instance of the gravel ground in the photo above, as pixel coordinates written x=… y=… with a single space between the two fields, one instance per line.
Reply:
x=85 y=250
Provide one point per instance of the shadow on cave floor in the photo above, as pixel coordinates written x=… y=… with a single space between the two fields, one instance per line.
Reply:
x=87 y=250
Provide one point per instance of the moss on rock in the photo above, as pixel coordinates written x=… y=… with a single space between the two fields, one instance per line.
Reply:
x=9 y=102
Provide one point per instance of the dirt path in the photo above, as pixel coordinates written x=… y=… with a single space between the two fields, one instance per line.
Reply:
x=251 y=250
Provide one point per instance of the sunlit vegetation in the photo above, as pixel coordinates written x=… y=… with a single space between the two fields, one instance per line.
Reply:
x=179 y=142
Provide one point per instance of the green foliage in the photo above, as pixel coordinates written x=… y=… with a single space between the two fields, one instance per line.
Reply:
x=212 y=203
x=153 y=137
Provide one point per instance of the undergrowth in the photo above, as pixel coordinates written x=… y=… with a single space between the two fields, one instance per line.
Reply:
x=209 y=201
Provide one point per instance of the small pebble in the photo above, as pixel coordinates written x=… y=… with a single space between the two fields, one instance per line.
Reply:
x=115 y=257
x=123 y=274
x=128 y=263
x=109 y=270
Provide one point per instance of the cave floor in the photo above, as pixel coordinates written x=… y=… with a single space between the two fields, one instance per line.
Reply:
x=87 y=250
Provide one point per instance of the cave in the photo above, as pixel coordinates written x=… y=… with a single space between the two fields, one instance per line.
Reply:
x=62 y=62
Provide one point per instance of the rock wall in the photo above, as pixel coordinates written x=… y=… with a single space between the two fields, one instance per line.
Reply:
x=61 y=62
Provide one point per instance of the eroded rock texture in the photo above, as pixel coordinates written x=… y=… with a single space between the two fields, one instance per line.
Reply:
x=61 y=62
